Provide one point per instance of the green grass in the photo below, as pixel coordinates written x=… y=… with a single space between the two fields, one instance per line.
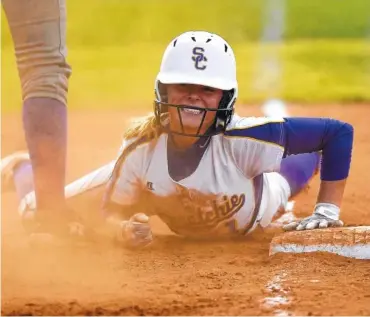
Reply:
x=100 y=23
x=317 y=19
x=113 y=77
x=115 y=47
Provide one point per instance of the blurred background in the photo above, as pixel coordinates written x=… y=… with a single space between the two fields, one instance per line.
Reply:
x=305 y=51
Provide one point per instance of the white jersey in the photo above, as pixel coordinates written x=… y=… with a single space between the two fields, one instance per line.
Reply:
x=220 y=188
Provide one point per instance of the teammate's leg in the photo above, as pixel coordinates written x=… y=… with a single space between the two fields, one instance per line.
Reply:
x=85 y=194
x=38 y=30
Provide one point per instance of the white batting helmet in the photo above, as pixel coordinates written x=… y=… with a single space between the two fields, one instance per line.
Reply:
x=199 y=58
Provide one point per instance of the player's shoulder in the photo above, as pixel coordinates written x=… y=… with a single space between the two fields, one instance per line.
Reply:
x=258 y=129
x=245 y=123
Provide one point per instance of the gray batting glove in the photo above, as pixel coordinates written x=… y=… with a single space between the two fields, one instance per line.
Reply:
x=324 y=216
x=136 y=232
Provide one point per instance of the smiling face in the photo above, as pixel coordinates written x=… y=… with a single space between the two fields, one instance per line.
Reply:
x=192 y=95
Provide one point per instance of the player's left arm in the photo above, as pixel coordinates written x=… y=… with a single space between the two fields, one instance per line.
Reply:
x=271 y=140
x=334 y=139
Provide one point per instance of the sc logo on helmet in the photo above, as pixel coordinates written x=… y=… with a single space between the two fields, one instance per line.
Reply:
x=198 y=58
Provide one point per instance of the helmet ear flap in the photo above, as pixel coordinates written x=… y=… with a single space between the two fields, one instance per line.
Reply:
x=160 y=106
x=162 y=92
x=162 y=97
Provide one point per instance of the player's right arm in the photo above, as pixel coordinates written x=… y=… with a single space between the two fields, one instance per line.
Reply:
x=123 y=222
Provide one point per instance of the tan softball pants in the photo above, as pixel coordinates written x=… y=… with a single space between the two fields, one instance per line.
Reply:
x=38 y=29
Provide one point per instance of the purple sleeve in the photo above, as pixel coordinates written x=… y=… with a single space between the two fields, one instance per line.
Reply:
x=305 y=135
x=334 y=138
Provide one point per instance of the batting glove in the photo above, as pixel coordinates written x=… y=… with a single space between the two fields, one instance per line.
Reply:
x=324 y=216
x=136 y=232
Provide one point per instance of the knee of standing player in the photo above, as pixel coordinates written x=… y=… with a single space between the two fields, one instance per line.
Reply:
x=45 y=75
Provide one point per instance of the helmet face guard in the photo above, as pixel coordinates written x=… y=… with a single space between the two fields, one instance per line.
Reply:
x=197 y=58
x=223 y=117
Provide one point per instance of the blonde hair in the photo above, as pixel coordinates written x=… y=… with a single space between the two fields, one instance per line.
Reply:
x=144 y=127
x=142 y=130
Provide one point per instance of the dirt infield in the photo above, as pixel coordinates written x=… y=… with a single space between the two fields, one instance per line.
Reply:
x=178 y=277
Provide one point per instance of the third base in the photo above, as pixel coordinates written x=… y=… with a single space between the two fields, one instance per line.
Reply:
x=353 y=242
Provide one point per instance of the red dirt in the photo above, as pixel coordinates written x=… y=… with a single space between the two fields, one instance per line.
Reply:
x=175 y=276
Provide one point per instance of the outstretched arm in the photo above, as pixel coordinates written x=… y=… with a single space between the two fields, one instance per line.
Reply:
x=335 y=139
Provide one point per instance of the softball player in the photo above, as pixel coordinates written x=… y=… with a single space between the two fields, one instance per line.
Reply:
x=202 y=169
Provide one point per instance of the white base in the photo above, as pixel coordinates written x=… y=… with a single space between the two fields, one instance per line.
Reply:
x=357 y=251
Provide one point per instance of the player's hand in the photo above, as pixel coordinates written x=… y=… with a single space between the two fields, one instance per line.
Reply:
x=324 y=216
x=136 y=232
